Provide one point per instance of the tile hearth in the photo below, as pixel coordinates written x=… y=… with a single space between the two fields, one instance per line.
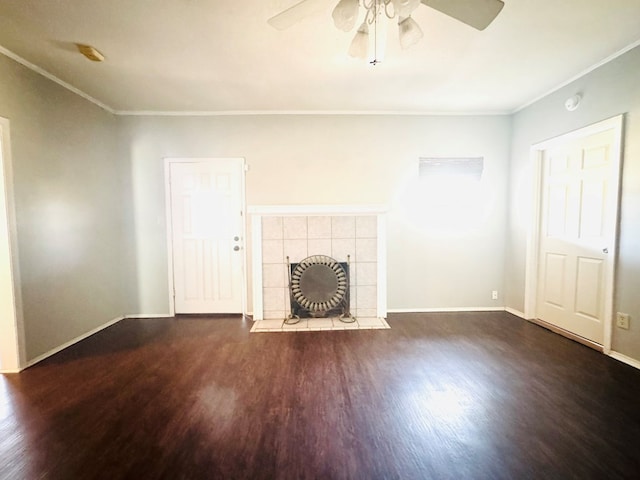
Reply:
x=318 y=325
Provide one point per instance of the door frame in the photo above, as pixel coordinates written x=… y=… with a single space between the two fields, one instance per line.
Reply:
x=168 y=161
x=533 y=238
x=12 y=347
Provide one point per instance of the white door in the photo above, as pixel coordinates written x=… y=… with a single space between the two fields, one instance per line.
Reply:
x=207 y=226
x=577 y=232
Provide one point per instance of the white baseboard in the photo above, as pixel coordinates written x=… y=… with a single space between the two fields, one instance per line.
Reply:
x=39 y=358
x=11 y=371
x=437 y=310
x=151 y=315
x=624 y=359
x=515 y=312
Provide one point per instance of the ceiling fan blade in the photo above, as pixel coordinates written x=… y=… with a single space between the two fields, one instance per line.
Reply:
x=475 y=13
x=295 y=13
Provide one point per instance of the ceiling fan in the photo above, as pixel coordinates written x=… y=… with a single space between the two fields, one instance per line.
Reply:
x=475 y=13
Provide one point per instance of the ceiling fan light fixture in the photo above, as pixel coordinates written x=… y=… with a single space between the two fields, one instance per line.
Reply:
x=90 y=52
x=409 y=31
x=404 y=8
x=345 y=14
x=360 y=44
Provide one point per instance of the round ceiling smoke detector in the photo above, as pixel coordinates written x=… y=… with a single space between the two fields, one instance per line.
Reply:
x=90 y=52
x=572 y=103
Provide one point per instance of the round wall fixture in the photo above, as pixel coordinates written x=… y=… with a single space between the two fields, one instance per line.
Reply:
x=572 y=103
x=319 y=283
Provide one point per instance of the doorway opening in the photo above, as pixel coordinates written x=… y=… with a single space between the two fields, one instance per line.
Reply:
x=11 y=350
x=572 y=245
x=205 y=202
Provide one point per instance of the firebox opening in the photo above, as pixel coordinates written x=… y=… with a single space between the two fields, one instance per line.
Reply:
x=319 y=287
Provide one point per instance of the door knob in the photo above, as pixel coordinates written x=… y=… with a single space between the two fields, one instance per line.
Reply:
x=236 y=248
x=605 y=250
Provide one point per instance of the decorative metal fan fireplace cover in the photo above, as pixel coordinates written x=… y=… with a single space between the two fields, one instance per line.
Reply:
x=319 y=286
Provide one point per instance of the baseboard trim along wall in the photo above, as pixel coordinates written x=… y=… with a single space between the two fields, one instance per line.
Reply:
x=515 y=312
x=438 y=310
x=567 y=334
x=624 y=359
x=11 y=371
x=39 y=358
x=616 y=355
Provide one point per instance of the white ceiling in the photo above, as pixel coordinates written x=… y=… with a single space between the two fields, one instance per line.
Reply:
x=222 y=56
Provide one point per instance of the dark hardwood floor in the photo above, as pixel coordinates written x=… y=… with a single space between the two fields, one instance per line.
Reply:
x=439 y=396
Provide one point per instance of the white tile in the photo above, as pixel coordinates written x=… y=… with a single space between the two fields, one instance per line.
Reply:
x=366 y=313
x=353 y=274
x=294 y=227
x=319 y=227
x=296 y=250
x=366 y=273
x=319 y=246
x=271 y=228
x=366 y=297
x=270 y=323
x=320 y=322
x=352 y=300
x=301 y=325
x=367 y=226
x=371 y=321
x=276 y=315
x=366 y=250
x=339 y=323
x=272 y=251
x=273 y=300
x=274 y=275
x=343 y=227
x=342 y=247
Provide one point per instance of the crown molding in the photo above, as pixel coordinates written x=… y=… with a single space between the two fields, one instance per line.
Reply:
x=223 y=113
x=590 y=69
x=53 y=78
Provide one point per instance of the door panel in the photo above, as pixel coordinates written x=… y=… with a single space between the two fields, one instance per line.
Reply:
x=206 y=218
x=577 y=226
x=589 y=281
x=554 y=280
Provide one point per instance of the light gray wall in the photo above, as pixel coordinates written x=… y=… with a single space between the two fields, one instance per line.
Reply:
x=68 y=187
x=436 y=260
x=608 y=91
x=90 y=195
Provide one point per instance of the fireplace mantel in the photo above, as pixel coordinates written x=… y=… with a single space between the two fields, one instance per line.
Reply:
x=356 y=232
x=313 y=210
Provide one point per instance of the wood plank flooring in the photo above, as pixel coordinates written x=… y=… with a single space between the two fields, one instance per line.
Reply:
x=438 y=396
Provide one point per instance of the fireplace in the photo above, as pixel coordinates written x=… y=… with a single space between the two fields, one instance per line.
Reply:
x=350 y=240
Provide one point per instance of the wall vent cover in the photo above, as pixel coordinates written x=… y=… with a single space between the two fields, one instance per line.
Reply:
x=470 y=167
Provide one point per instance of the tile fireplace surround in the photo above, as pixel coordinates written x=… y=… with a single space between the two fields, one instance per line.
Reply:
x=301 y=231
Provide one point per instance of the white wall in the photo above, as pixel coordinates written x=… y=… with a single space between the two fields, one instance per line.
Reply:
x=608 y=91
x=68 y=192
x=436 y=258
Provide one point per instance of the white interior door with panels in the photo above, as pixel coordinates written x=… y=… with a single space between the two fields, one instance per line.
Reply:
x=206 y=202
x=579 y=191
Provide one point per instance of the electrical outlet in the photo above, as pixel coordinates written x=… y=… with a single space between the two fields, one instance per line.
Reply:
x=622 y=320
x=494 y=295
